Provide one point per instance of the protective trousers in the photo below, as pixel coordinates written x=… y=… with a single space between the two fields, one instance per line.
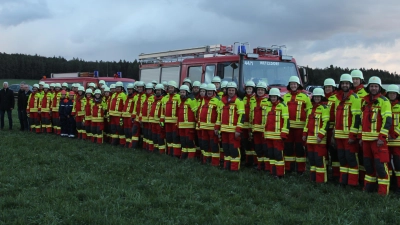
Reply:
x=376 y=161
x=395 y=153
x=275 y=155
x=34 y=121
x=361 y=168
x=316 y=157
x=231 y=146
x=261 y=149
x=295 y=155
x=79 y=127
x=187 y=136
x=97 y=131
x=158 y=137
x=172 y=138
x=347 y=154
x=88 y=130
x=247 y=147
x=333 y=155
x=46 y=122
x=211 y=147
x=127 y=133
x=114 y=127
x=147 y=143
x=55 y=120
x=136 y=131
x=198 y=142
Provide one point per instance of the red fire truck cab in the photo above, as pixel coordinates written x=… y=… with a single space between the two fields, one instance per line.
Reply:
x=230 y=63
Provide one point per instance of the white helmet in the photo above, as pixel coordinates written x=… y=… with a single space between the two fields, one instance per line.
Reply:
x=231 y=85
x=81 y=88
x=318 y=92
x=46 y=86
x=346 y=77
x=196 y=84
x=172 y=83
x=250 y=83
x=139 y=84
x=89 y=91
x=185 y=88
x=159 y=86
x=52 y=85
x=42 y=83
x=112 y=86
x=93 y=85
x=106 y=89
x=97 y=91
x=36 y=85
x=211 y=87
x=102 y=82
x=357 y=74
x=216 y=79
x=154 y=82
x=165 y=83
x=262 y=84
x=274 y=91
x=57 y=85
x=375 y=80
x=64 y=84
x=329 y=82
x=130 y=86
x=294 y=79
x=119 y=84
x=203 y=86
x=224 y=83
x=187 y=80
x=393 y=88
x=149 y=86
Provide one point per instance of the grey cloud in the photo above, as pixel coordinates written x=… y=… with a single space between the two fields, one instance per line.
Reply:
x=13 y=13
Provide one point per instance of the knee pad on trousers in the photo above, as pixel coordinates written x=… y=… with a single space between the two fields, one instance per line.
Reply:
x=380 y=168
x=369 y=169
x=351 y=159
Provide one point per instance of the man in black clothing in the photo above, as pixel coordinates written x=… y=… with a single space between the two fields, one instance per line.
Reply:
x=7 y=103
x=23 y=95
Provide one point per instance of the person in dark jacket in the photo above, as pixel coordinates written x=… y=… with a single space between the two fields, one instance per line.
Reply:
x=66 y=118
x=7 y=104
x=23 y=95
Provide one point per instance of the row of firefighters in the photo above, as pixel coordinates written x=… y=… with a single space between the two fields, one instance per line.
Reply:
x=354 y=128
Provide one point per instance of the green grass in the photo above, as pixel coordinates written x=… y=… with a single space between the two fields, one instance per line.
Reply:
x=17 y=81
x=46 y=179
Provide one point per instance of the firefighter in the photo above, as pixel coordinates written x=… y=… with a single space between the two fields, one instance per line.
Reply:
x=186 y=122
x=231 y=119
x=78 y=112
x=376 y=123
x=209 y=112
x=223 y=86
x=127 y=115
x=112 y=89
x=137 y=101
x=92 y=86
x=115 y=111
x=33 y=109
x=330 y=95
x=52 y=87
x=358 y=85
x=314 y=134
x=102 y=84
x=347 y=123
x=199 y=133
x=45 y=105
x=64 y=87
x=196 y=89
x=66 y=117
x=298 y=104
x=258 y=119
x=41 y=86
x=158 y=134
x=154 y=83
x=147 y=100
x=165 y=84
x=188 y=82
x=55 y=103
x=168 y=120
x=246 y=144
x=276 y=132
x=88 y=115
x=106 y=98
x=75 y=88
x=217 y=82
x=98 y=110
x=394 y=132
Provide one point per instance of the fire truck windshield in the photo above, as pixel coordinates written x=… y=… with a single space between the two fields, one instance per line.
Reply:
x=272 y=72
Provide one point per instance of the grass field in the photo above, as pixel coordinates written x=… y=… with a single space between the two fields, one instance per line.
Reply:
x=52 y=180
x=17 y=81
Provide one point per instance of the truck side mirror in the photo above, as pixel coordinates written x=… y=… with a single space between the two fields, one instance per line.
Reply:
x=303 y=75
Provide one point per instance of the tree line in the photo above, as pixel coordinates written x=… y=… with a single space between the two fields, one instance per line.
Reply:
x=21 y=66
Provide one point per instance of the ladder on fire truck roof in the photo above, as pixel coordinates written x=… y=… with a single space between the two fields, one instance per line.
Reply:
x=198 y=52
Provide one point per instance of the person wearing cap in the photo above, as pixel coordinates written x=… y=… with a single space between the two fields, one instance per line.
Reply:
x=186 y=123
x=276 y=132
x=314 y=134
x=247 y=146
x=33 y=109
x=393 y=92
x=199 y=133
x=330 y=95
x=258 y=120
x=137 y=102
x=144 y=114
x=127 y=113
x=116 y=108
x=376 y=123
x=157 y=134
x=78 y=112
x=55 y=103
x=358 y=86
x=168 y=120
x=217 y=82
x=209 y=112
x=347 y=124
x=87 y=133
x=231 y=120
x=45 y=109
x=196 y=89
x=98 y=110
x=66 y=117
x=298 y=104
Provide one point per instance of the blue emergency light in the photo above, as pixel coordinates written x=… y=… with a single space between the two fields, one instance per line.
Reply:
x=96 y=73
x=119 y=74
x=242 y=49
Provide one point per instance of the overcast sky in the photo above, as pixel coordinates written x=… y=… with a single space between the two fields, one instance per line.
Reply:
x=354 y=34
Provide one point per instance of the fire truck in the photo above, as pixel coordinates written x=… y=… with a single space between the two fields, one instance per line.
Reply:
x=230 y=63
